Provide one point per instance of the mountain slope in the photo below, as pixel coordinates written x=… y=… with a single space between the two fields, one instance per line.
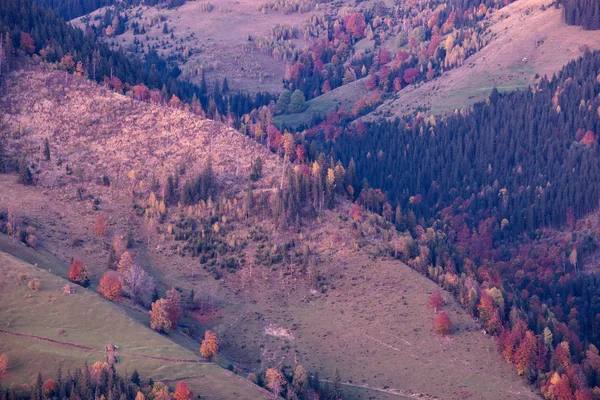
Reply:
x=44 y=329
x=530 y=38
x=366 y=315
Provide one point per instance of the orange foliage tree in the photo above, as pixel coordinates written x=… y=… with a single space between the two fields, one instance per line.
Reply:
x=182 y=392
x=100 y=226
x=78 y=273
x=159 y=316
x=275 y=381
x=110 y=286
x=210 y=345
x=442 y=323
x=3 y=364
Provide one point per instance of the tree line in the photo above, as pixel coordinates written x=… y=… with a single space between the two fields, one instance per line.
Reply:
x=585 y=13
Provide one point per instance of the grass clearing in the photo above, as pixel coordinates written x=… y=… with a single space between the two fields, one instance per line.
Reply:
x=89 y=320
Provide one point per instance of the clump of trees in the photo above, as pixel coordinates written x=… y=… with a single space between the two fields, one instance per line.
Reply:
x=166 y=312
x=100 y=380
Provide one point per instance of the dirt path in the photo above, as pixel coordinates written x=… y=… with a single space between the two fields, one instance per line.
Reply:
x=86 y=348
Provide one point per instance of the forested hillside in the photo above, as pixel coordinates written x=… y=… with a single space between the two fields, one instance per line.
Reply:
x=529 y=157
x=36 y=30
x=585 y=13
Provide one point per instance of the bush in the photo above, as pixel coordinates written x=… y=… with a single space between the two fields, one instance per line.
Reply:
x=34 y=284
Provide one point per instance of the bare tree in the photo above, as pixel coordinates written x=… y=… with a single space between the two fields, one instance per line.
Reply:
x=139 y=284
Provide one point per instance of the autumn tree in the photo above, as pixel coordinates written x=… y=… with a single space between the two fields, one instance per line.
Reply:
x=442 y=323
x=3 y=364
x=275 y=381
x=210 y=345
x=174 y=306
x=436 y=300
x=78 y=273
x=100 y=226
x=526 y=353
x=27 y=43
x=300 y=380
x=356 y=212
x=356 y=25
x=34 y=284
x=125 y=263
x=182 y=392
x=49 y=389
x=159 y=316
x=110 y=286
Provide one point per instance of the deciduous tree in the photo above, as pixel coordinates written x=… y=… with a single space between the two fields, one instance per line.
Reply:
x=3 y=364
x=436 y=300
x=210 y=345
x=78 y=273
x=110 y=286
x=275 y=381
x=159 y=316
x=182 y=392
x=442 y=323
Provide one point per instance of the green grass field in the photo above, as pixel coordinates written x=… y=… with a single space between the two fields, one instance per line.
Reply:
x=89 y=320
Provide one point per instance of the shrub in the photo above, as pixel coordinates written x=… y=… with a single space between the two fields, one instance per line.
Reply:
x=34 y=284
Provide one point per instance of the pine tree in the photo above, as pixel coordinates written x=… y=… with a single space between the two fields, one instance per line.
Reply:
x=46 y=149
x=25 y=177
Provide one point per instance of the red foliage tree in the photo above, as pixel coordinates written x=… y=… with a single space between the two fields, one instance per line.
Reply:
x=174 y=306
x=326 y=87
x=300 y=153
x=182 y=392
x=410 y=75
x=442 y=323
x=525 y=356
x=371 y=82
x=49 y=389
x=356 y=25
x=78 y=273
x=27 y=43
x=110 y=286
x=589 y=138
x=356 y=212
x=436 y=300
x=3 y=364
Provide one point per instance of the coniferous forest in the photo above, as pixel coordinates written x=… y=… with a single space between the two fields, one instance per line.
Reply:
x=585 y=13
x=528 y=157
x=53 y=38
